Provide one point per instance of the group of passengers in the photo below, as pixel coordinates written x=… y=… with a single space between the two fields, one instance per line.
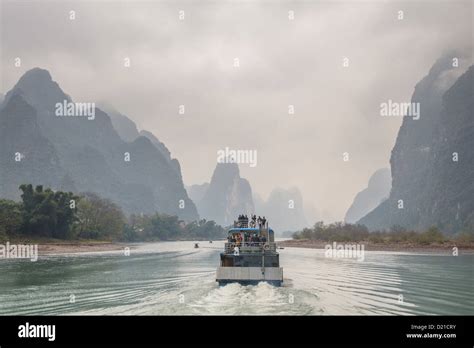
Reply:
x=248 y=239
x=244 y=220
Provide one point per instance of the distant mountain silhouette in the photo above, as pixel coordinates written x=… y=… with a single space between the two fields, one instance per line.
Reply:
x=378 y=189
x=284 y=209
x=228 y=195
x=197 y=192
x=83 y=154
x=225 y=197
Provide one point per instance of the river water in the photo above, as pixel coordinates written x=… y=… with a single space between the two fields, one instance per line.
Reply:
x=173 y=278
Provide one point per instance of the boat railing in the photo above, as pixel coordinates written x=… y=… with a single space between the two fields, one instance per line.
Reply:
x=245 y=247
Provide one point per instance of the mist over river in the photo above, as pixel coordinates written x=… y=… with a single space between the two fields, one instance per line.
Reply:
x=173 y=278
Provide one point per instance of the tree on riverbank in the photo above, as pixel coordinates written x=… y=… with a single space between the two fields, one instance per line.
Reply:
x=47 y=213
x=343 y=232
x=98 y=218
x=167 y=227
x=10 y=218
x=44 y=213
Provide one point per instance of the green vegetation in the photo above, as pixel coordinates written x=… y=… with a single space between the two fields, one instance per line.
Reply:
x=342 y=232
x=46 y=214
x=98 y=218
x=338 y=232
x=166 y=227
x=10 y=218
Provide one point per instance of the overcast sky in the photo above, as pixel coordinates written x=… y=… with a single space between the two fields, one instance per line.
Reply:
x=282 y=62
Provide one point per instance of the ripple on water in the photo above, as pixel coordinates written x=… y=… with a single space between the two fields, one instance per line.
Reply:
x=175 y=278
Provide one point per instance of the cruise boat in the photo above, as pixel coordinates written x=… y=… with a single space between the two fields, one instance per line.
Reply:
x=250 y=255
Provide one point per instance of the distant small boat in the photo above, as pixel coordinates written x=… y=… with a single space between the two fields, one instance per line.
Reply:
x=196 y=245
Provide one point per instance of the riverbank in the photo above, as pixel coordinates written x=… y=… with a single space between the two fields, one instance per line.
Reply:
x=56 y=246
x=49 y=246
x=446 y=247
x=80 y=247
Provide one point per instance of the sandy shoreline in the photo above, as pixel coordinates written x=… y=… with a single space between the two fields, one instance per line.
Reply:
x=444 y=248
x=47 y=247
x=50 y=247
x=71 y=248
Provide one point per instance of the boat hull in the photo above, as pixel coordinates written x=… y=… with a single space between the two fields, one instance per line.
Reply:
x=249 y=275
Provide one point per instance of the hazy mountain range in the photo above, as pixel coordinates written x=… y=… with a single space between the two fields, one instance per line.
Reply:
x=378 y=189
x=430 y=181
x=432 y=162
x=228 y=195
x=225 y=197
x=81 y=154
x=285 y=208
